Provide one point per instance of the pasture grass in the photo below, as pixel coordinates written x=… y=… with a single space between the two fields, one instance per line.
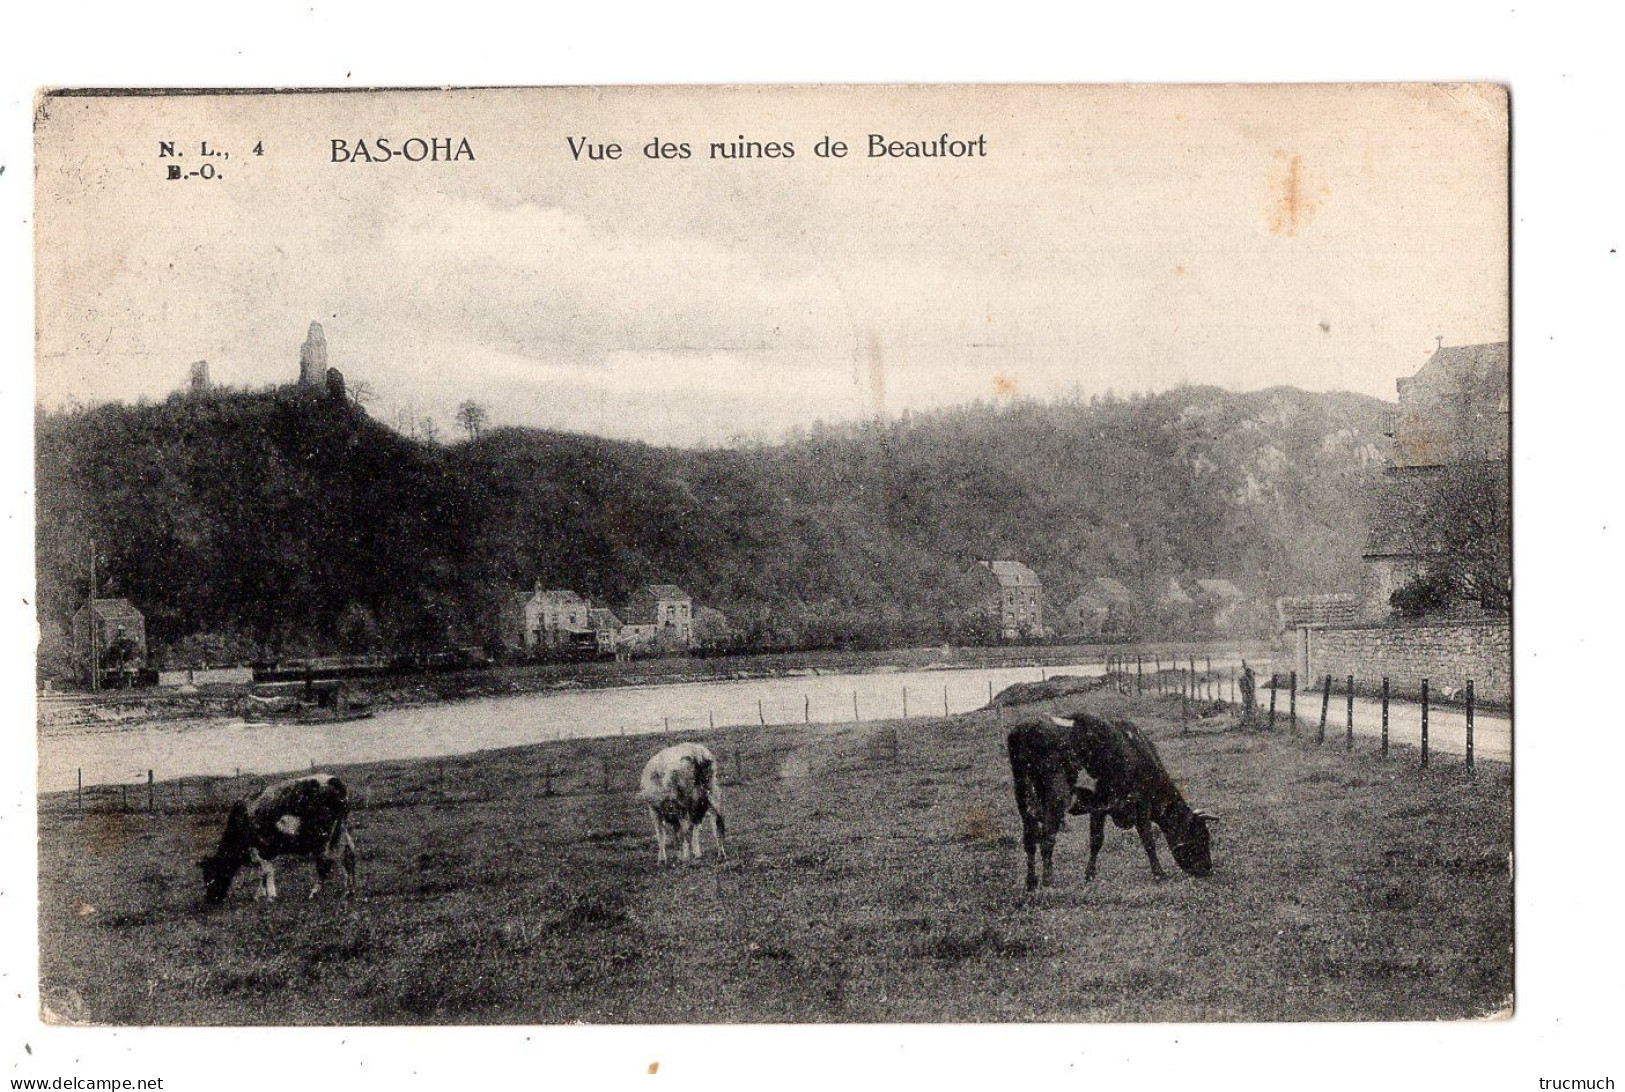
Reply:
x=874 y=875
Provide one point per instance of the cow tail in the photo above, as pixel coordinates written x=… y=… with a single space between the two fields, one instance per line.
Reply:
x=1018 y=771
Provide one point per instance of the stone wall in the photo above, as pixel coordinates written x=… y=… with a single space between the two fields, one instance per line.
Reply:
x=1447 y=653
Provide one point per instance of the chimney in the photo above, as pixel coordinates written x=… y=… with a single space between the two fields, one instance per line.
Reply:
x=1438 y=342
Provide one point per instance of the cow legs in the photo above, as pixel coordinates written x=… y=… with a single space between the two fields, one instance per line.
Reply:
x=694 y=837
x=1046 y=846
x=347 y=859
x=684 y=831
x=719 y=829
x=1097 y=838
x=324 y=869
x=1148 y=838
x=267 y=885
x=1029 y=842
x=660 y=833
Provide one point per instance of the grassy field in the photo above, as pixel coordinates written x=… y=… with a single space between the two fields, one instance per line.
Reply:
x=874 y=875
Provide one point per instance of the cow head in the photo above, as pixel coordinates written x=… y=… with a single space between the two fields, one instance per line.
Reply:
x=1190 y=841
x=217 y=876
x=220 y=867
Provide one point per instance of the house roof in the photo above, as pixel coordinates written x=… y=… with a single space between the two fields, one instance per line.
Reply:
x=666 y=591
x=1108 y=588
x=561 y=595
x=1222 y=589
x=1173 y=593
x=1455 y=407
x=1013 y=574
x=603 y=618
x=1338 y=608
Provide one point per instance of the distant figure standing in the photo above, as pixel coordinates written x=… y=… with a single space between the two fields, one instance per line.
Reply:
x=1249 y=694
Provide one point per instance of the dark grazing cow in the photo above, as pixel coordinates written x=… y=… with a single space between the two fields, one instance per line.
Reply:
x=302 y=817
x=1129 y=784
x=680 y=788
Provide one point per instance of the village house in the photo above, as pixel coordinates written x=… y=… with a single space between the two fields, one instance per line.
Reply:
x=659 y=616
x=1221 y=602
x=1014 y=599
x=119 y=636
x=605 y=627
x=1453 y=413
x=1105 y=606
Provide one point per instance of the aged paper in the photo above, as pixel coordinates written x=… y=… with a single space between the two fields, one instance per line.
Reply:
x=679 y=555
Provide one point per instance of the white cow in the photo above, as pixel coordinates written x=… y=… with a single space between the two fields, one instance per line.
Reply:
x=681 y=788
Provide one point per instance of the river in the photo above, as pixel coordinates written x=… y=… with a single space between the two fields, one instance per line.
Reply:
x=191 y=748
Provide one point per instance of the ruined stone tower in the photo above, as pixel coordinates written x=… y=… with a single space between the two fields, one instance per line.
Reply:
x=313 y=358
x=200 y=376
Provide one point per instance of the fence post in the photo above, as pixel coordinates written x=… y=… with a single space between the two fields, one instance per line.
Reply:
x=990 y=691
x=855 y=715
x=760 y=716
x=547 y=778
x=150 y=800
x=1385 y=716
x=666 y=719
x=1209 y=658
x=1273 y=689
x=1424 y=724
x=711 y=714
x=124 y=795
x=905 y=703
x=806 y=708
x=945 y=699
x=1139 y=675
x=1469 y=724
x=1325 y=705
x=1292 y=704
x=79 y=792
x=1350 y=744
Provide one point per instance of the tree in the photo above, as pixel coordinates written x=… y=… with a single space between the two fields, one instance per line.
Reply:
x=471 y=418
x=1469 y=527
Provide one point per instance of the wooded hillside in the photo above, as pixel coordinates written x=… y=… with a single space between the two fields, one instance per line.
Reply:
x=282 y=523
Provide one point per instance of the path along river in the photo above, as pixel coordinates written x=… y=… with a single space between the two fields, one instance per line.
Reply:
x=190 y=748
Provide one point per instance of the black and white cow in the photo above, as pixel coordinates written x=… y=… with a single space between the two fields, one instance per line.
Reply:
x=681 y=788
x=1128 y=784
x=302 y=817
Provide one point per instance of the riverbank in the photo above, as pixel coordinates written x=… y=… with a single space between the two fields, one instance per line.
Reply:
x=873 y=875
x=117 y=710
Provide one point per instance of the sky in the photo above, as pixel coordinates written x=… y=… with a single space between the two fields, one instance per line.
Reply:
x=1111 y=239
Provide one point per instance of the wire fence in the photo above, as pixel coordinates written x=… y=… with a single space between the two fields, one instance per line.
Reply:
x=1333 y=711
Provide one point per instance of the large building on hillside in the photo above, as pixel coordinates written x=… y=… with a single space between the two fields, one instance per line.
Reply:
x=1453 y=413
x=1014 y=598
